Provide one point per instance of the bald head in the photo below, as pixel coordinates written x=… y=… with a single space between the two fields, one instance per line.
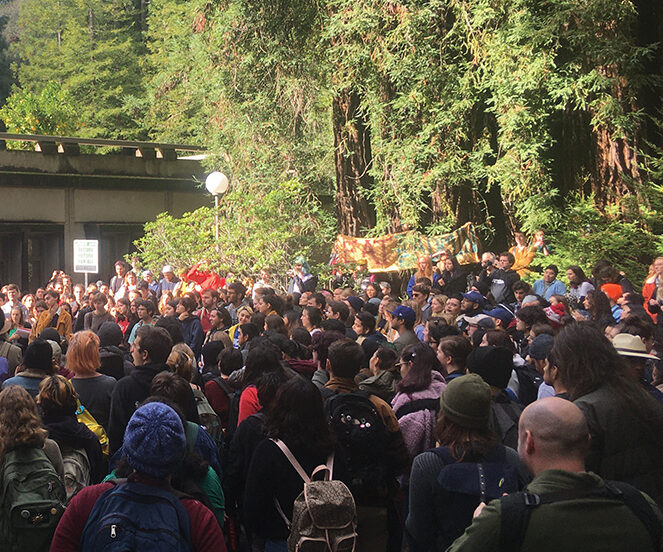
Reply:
x=557 y=427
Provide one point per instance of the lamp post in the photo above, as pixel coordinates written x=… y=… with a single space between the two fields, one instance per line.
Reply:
x=217 y=184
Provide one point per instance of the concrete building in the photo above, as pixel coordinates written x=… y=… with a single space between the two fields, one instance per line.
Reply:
x=68 y=189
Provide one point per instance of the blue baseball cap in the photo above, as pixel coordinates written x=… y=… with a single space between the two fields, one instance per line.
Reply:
x=501 y=314
x=404 y=313
x=473 y=296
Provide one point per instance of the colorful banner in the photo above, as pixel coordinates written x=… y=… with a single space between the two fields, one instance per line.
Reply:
x=400 y=251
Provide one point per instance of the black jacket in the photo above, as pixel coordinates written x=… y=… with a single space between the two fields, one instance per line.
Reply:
x=127 y=396
x=500 y=285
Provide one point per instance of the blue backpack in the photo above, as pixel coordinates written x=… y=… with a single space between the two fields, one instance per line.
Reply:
x=134 y=516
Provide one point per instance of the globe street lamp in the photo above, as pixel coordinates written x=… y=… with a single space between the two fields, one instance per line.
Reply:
x=217 y=184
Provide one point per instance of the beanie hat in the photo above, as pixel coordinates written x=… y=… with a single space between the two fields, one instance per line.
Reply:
x=109 y=334
x=51 y=334
x=540 y=346
x=555 y=313
x=154 y=441
x=38 y=356
x=614 y=291
x=466 y=401
x=355 y=302
x=493 y=364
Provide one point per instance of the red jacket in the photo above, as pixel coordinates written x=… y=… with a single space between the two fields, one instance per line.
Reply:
x=206 y=535
x=649 y=289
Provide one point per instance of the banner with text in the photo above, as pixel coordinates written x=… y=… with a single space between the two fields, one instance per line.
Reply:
x=400 y=251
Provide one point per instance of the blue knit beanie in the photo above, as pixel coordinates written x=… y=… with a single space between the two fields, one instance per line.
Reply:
x=154 y=441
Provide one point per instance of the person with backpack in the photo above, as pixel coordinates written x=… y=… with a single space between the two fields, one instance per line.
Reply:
x=31 y=475
x=142 y=512
x=565 y=507
x=175 y=389
x=372 y=451
x=495 y=366
x=94 y=389
x=469 y=466
x=418 y=399
x=84 y=463
x=218 y=390
x=298 y=441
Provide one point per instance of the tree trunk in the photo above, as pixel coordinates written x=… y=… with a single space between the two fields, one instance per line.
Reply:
x=352 y=150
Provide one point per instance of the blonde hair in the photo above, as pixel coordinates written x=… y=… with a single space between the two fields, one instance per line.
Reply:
x=181 y=361
x=83 y=353
x=428 y=271
x=57 y=394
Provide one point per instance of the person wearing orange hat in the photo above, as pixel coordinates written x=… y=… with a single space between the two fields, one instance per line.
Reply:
x=614 y=292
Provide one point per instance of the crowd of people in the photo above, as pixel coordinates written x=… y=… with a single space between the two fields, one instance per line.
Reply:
x=478 y=412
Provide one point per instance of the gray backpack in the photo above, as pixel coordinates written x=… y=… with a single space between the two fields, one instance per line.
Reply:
x=324 y=516
x=76 y=470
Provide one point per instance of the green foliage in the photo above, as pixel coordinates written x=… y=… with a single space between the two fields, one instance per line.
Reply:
x=627 y=239
x=245 y=79
x=92 y=49
x=48 y=112
x=257 y=228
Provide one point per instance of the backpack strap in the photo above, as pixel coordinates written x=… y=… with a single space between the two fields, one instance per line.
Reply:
x=298 y=468
x=225 y=386
x=293 y=461
x=416 y=406
x=638 y=504
x=327 y=468
x=517 y=508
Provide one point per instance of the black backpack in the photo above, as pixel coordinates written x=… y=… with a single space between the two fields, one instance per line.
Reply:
x=529 y=381
x=465 y=484
x=516 y=509
x=363 y=439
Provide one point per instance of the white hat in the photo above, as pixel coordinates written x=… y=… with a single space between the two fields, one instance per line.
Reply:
x=167 y=268
x=631 y=346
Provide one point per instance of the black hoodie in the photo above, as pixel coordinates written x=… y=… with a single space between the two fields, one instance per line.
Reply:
x=127 y=396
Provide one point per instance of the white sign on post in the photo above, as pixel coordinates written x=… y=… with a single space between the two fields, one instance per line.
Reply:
x=86 y=256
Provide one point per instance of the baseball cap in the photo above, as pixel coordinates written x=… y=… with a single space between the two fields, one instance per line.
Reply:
x=167 y=268
x=481 y=320
x=473 y=296
x=404 y=313
x=500 y=313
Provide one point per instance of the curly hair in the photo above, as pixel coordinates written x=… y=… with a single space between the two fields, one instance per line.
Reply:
x=20 y=423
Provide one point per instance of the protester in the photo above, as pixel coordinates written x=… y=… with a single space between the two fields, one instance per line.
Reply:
x=37 y=364
x=57 y=400
x=154 y=444
x=624 y=420
x=31 y=463
x=93 y=388
x=443 y=495
x=569 y=508
x=295 y=425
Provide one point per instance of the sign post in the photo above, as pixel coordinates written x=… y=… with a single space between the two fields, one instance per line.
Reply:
x=86 y=257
